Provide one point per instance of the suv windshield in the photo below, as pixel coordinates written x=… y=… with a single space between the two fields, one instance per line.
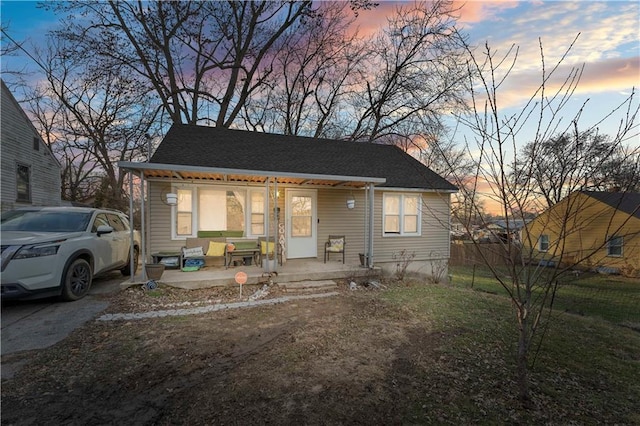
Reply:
x=44 y=221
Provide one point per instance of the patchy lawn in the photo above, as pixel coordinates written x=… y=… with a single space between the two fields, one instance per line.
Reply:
x=411 y=353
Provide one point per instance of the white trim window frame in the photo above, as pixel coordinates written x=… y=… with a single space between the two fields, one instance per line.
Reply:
x=615 y=246
x=184 y=210
x=23 y=183
x=543 y=243
x=188 y=209
x=401 y=214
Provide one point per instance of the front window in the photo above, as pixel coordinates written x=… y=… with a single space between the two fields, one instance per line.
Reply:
x=23 y=185
x=219 y=209
x=401 y=214
x=614 y=246
x=543 y=243
x=257 y=213
x=184 y=212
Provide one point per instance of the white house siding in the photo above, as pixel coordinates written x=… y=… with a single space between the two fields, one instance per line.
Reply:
x=17 y=145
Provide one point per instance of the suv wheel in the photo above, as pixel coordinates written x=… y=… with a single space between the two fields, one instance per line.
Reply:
x=76 y=280
x=126 y=271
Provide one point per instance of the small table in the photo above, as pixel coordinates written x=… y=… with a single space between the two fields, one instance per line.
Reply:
x=157 y=257
x=252 y=252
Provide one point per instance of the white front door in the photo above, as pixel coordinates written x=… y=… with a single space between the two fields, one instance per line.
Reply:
x=302 y=223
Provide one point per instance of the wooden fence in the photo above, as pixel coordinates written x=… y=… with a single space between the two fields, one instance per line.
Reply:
x=473 y=254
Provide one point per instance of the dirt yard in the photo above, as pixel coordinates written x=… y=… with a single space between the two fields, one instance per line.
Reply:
x=348 y=359
x=341 y=359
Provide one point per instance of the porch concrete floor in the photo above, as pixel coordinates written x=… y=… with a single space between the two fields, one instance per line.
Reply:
x=293 y=270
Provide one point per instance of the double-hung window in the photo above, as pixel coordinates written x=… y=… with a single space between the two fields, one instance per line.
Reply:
x=401 y=214
x=184 y=213
x=543 y=242
x=23 y=183
x=614 y=246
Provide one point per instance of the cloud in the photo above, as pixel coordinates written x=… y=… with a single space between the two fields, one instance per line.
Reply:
x=603 y=31
x=607 y=46
x=474 y=11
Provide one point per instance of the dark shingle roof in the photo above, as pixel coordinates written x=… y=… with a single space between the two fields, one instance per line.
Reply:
x=237 y=149
x=628 y=202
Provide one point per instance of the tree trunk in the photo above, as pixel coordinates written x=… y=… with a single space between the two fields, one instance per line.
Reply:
x=522 y=358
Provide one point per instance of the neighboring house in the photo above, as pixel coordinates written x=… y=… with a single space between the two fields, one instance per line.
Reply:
x=503 y=230
x=232 y=179
x=30 y=172
x=598 y=230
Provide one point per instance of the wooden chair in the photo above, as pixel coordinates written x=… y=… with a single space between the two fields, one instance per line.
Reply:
x=335 y=244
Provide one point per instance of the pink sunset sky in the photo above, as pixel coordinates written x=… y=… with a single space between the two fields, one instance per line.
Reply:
x=608 y=47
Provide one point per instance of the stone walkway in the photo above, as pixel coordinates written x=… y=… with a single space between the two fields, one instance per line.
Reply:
x=209 y=308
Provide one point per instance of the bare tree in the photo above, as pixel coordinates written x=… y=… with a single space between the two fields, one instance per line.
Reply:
x=94 y=118
x=574 y=161
x=531 y=287
x=415 y=72
x=316 y=64
x=202 y=59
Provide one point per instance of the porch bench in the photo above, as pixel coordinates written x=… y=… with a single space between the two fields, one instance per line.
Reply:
x=243 y=248
x=209 y=260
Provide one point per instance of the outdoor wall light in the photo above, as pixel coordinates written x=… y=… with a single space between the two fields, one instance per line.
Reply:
x=351 y=202
x=172 y=199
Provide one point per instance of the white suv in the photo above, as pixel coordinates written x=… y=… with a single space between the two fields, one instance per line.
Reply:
x=56 y=251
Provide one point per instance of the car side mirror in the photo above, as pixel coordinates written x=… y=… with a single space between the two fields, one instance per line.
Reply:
x=104 y=229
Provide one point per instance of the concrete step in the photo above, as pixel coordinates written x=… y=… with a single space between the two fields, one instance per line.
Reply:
x=309 y=286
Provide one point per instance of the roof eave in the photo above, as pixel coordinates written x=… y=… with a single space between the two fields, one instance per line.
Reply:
x=128 y=165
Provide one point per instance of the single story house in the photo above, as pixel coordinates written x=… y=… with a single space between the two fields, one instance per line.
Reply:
x=592 y=229
x=30 y=171
x=300 y=190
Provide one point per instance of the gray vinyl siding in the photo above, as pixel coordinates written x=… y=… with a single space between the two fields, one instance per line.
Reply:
x=17 y=144
x=334 y=218
x=433 y=242
x=160 y=220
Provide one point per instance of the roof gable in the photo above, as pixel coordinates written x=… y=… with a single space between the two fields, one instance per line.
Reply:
x=628 y=202
x=243 y=150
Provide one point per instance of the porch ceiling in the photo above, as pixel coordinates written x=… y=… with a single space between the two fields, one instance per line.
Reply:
x=192 y=174
x=247 y=178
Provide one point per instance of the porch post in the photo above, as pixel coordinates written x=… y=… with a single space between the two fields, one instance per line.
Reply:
x=267 y=209
x=131 y=230
x=275 y=224
x=143 y=245
x=371 y=221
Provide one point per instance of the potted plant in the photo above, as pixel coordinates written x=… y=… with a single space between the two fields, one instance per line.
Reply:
x=154 y=270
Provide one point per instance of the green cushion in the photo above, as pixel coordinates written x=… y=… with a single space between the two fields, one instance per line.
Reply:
x=243 y=245
x=216 y=234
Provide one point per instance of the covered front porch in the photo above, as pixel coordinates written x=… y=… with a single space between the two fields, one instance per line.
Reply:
x=294 y=270
x=291 y=218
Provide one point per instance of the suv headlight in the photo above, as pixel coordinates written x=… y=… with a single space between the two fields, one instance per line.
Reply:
x=27 y=252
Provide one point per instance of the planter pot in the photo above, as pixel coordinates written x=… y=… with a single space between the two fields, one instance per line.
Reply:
x=269 y=265
x=154 y=270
